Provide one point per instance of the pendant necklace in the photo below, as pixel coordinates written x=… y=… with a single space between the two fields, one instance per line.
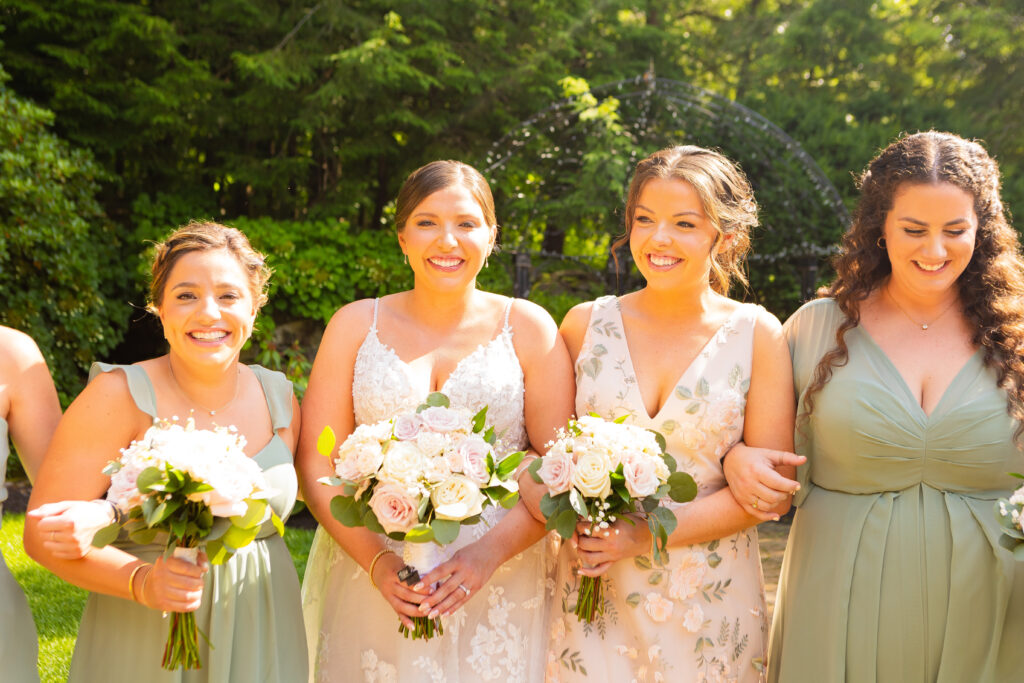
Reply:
x=212 y=412
x=923 y=326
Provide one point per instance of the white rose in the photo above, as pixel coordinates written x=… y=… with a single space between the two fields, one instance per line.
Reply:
x=407 y=426
x=641 y=473
x=591 y=476
x=361 y=456
x=403 y=463
x=437 y=470
x=658 y=608
x=440 y=419
x=431 y=443
x=556 y=470
x=395 y=510
x=473 y=452
x=693 y=620
x=457 y=498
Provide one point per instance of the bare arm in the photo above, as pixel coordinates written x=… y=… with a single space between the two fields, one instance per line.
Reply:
x=33 y=410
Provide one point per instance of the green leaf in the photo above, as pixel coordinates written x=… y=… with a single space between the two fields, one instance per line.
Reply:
x=509 y=500
x=714 y=559
x=579 y=505
x=437 y=400
x=105 y=536
x=479 y=420
x=509 y=464
x=682 y=487
x=489 y=436
x=642 y=562
x=277 y=522
x=693 y=408
x=683 y=392
x=666 y=520
x=370 y=520
x=150 y=478
x=660 y=439
x=143 y=536
x=654 y=578
x=549 y=505
x=670 y=462
x=217 y=552
x=325 y=442
x=633 y=599
x=445 y=530
x=621 y=419
x=254 y=514
x=236 y=537
x=346 y=511
x=703 y=388
x=421 y=533
x=565 y=523
x=534 y=470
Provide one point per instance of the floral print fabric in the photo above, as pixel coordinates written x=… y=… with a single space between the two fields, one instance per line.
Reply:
x=701 y=617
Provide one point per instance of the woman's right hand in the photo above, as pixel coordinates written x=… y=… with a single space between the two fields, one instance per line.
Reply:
x=67 y=527
x=172 y=584
x=402 y=598
x=754 y=482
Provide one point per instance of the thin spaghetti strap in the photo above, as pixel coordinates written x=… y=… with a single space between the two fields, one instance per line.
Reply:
x=508 y=309
x=373 y=325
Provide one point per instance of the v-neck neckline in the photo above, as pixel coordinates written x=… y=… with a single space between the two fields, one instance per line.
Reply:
x=679 y=380
x=902 y=382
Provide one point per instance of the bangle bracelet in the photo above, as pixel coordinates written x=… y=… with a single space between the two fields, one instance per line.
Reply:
x=373 y=563
x=131 y=580
x=118 y=513
x=142 y=585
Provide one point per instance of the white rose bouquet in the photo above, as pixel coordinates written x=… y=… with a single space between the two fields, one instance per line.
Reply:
x=417 y=478
x=1010 y=513
x=197 y=488
x=599 y=471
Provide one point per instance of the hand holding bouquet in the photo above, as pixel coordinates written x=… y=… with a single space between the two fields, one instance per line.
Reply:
x=417 y=478
x=197 y=487
x=600 y=471
x=1010 y=513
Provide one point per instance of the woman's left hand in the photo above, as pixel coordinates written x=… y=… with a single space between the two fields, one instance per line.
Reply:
x=460 y=578
x=598 y=549
x=67 y=527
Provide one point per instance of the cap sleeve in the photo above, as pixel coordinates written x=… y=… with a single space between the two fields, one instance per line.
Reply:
x=278 y=391
x=139 y=385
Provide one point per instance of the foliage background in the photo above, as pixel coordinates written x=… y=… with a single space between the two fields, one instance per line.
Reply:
x=298 y=121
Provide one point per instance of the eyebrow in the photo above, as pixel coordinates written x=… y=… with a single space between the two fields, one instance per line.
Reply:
x=681 y=213
x=428 y=214
x=955 y=221
x=219 y=285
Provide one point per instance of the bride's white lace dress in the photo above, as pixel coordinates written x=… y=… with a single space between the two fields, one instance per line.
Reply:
x=500 y=634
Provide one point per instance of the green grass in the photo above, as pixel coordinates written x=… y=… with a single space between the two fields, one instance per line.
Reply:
x=57 y=606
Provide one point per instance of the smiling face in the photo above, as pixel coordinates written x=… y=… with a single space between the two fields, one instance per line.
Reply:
x=447 y=239
x=929 y=236
x=207 y=308
x=671 y=236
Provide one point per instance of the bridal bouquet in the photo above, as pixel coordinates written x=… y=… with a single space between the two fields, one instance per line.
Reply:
x=599 y=471
x=1010 y=513
x=417 y=477
x=197 y=487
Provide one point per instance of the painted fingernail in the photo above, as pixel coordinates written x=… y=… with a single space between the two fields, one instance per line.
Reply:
x=418 y=586
x=432 y=615
x=424 y=607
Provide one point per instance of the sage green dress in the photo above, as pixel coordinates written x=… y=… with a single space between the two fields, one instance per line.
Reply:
x=251 y=609
x=18 y=642
x=893 y=571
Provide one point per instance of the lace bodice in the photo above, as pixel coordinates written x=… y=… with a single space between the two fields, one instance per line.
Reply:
x=489 y=376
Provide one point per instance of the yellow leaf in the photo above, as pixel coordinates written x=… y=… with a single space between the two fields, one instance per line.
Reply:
x=325 y=444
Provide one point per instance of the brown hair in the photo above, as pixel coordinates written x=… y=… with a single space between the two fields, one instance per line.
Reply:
x=725 y=193
x=991 y=288
x=437 y=176
x=207 y=236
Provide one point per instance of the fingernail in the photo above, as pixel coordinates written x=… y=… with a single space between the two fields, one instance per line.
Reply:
x=418 y=586
x=432 y=615
x=775 y=518
x=797 y=488
x=424 y=607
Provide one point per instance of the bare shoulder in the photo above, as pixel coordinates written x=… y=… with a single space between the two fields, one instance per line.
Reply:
x=19 y=351
x=356 y=313
x=766 y=325
x=533 y=329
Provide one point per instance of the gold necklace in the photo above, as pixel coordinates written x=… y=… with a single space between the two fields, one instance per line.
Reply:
x=181 y=390
x=923 y=326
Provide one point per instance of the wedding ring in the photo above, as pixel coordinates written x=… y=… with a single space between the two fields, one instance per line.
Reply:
x=53 y=536
x=756 y=501
x=465 y=589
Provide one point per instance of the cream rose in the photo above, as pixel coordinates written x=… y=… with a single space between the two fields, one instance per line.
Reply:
x=431 y=443
x=395 y=510
x=457 y=498
x=556 y=470
x=439 y=419
x=641 y=473
x=473 y=452
x=658 y=607
x=408 y=426
x=591 y=476
x=359 y=457
x=403 y=463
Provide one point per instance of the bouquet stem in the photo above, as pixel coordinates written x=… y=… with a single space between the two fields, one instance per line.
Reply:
x=424 y=557
x=182 y=648
x=590 y=599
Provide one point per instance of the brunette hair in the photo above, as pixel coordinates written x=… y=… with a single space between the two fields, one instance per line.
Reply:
x=207 y=236
x=437 y=176
x=725 y=193
x=991 y=288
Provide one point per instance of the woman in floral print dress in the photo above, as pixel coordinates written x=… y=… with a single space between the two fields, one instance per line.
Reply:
x=680 y=357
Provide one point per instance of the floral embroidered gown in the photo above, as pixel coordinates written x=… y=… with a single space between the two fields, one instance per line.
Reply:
x=499 y=634
x=702 y=616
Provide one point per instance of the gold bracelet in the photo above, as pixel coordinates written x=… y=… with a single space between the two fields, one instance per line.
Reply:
x=373 y=563
x=142 y=586
x=131 y=580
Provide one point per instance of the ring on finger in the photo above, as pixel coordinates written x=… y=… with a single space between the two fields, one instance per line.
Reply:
x=466 y=590
x=53 y=535
x=755 y=503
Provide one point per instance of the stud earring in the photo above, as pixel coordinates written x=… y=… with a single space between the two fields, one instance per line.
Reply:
x=405 y=258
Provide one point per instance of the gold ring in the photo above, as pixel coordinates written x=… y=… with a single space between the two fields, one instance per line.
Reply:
x=53 y=535
x=465 y=589
x=756 y=501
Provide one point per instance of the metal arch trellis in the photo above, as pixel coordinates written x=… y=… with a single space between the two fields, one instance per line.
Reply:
x=762 y=141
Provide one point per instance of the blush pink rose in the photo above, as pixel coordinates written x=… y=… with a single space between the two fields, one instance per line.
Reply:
x=439 y=419
x=473 y=452
x=641 y=475
x=395 y=510
x=408 y=426
x=556 y=471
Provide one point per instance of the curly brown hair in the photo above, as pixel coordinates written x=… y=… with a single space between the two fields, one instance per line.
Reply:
x=991 y=288
x=725 y=193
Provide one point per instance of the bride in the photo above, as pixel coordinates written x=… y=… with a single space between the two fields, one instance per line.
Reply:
x=384 y=356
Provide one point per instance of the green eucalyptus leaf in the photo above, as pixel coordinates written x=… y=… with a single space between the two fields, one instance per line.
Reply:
x=509 y=464
x=105 y=536
x=479 y=420
x=445 y=530
x=421 y=533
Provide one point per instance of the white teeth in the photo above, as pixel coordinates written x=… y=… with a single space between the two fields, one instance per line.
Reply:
x=929 y=268
x=445 y=262
x=663 y=260
x=213 y=334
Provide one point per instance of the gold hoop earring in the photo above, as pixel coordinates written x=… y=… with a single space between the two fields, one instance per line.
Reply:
x=880 y=242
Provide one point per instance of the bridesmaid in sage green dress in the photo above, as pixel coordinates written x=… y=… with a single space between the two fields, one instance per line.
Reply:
x=29 y=412
x=208 y=284
x=911 y=383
